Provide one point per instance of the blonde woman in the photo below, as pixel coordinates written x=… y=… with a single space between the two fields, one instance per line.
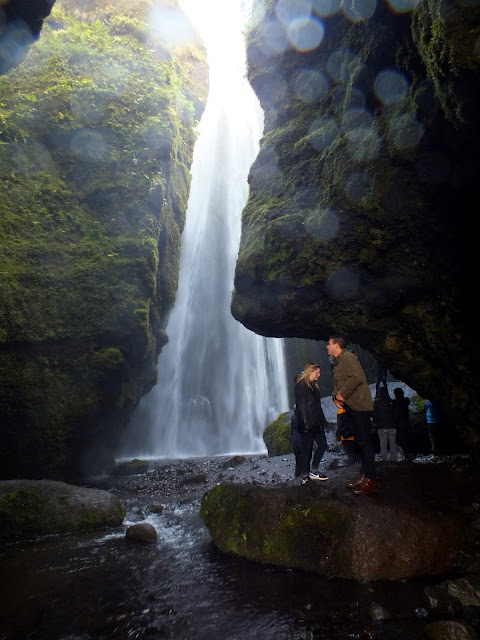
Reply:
x=310 y=423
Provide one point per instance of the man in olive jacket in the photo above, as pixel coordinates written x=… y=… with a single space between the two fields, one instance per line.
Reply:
x=351 y=391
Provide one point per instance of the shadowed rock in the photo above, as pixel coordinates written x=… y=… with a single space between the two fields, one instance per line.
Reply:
x=141 y=532
x=33 y=508
x=401 y=531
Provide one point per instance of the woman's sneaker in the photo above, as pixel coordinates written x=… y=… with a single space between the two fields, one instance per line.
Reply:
x=317 y=476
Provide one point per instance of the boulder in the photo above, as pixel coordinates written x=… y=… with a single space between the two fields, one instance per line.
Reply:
x=401 y=531
x=450 y=630
x=155 y=508
x=34 y=508
x=277 y=436
x=233 y=462
x=131 y=468
x=451 y=596
x=141 y=532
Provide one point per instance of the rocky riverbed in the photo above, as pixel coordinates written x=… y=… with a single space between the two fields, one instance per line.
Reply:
x=101 y=586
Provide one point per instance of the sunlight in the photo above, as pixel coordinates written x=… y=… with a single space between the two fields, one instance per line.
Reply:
x=218 y=23
x=221 y=26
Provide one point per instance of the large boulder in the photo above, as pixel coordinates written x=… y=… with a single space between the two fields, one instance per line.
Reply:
x=405 y=530
x=34 y=508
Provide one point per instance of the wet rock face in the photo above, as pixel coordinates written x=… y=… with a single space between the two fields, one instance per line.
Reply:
x=361 y=192
x=33 y=508
x=403 y=530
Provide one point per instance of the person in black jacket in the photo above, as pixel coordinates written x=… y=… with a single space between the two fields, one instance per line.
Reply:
x=383 y=419
x=401 y=419
x=310 y=423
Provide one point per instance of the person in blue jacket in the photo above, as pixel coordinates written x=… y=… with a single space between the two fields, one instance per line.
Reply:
x=436 y=428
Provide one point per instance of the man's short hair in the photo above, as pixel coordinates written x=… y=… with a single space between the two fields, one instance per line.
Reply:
x=340 y=340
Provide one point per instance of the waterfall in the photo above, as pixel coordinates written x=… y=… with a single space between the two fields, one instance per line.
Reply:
x=219 y=384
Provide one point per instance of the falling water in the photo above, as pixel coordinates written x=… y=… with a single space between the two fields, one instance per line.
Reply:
x=219 y=384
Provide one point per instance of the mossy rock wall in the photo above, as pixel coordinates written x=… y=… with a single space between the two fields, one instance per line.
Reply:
x=97 y=128
x=360 y=198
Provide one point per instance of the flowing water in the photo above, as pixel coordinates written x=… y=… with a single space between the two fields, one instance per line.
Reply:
x=101 y=586
x=219 y=385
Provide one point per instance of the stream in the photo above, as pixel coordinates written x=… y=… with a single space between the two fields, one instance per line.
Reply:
x=99 y=585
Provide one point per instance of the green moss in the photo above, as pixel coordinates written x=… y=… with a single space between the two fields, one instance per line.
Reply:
x=29 y=509
x=277 y=436
x=96 y=137
x=419 y=403
x=446 y=41
x=265 y=526
x=20 y=511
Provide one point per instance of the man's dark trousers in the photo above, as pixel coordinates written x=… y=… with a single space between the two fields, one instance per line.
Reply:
x=363 y=440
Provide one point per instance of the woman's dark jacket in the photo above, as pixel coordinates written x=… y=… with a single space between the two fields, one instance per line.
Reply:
x=400 y=413
x=382 y=411
x=308 y=408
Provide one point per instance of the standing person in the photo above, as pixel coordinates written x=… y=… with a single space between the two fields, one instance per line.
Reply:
x=401 y=419
x=351 y=391
x=345 y=434
x=296 y=443
x=310 y=422
x=436 y=429
x=382 y=374
x=383 y=419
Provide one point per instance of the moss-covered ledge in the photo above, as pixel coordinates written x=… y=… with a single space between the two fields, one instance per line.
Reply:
x=344 y=536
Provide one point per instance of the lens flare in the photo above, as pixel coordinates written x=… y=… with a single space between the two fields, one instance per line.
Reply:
x=274 y=40
x=359 y=10
x=359 y=186
x=357 y=117
x=271 y=88
x=390 y=86
x=322 y=224
x=305 y=35
x=265 y=176
x=402 y=6
x=326 y=8
x=347 y=98
x=169 y=26
x=405 y=131
x=310 y=85
x=323 y=132
x=343 y=65
x=289 y=10
x=14 y=42
x=88 y=144
x=363 y=143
